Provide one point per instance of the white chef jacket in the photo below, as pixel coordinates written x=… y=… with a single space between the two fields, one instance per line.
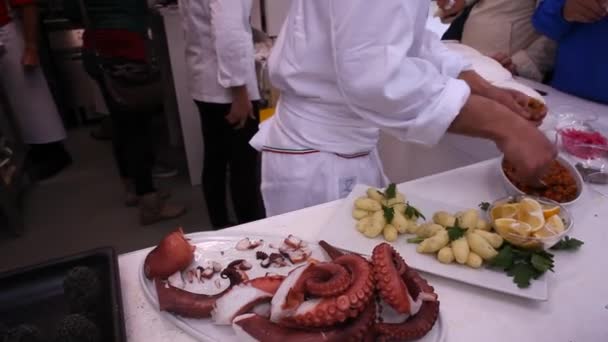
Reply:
x=347 y=68
x=219 y=48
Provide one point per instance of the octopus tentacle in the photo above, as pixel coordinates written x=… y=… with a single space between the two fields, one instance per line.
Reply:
x=332 y=251
x=388 y=263
x=262 y=329
x=414 y=328
x=327 y=280
x=245 y=298
x=391 y=287
x=188 y=304
x=329 y=311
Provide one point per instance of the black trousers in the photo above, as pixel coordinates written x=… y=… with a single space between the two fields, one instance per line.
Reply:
x=228 y=147
x=132 y=141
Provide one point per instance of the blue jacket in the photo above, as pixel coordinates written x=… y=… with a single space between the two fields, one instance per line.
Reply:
x=581 y=67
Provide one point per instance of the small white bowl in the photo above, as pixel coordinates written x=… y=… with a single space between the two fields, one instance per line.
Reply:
x=513 y=190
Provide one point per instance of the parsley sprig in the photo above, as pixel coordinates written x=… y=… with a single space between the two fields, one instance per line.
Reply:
x=389 y=213
x=568 y=244
x=391 y=191
x=456 y=232
x=412 y=213
x=484 y=206
x=523 y=265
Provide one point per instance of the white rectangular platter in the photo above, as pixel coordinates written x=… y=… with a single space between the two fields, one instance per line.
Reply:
x=341 y=232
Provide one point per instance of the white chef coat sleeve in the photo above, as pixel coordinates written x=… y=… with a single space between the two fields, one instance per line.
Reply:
x=447 y=61
x=406 y=96
x=233 y=44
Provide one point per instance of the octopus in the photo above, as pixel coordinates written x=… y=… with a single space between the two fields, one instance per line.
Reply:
x=348 y=298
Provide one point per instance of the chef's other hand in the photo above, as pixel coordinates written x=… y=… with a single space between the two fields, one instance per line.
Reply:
x=30 y=57
x=584 y=11
x=505 y=61
x=241 y=109
x=513 y=100
x=448 y=11
x=529 y=151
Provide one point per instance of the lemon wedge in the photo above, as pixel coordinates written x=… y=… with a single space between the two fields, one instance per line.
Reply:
x=531 y=212
x=554 y=226
x=506 y=226
x=550 y=211
x=508 y=210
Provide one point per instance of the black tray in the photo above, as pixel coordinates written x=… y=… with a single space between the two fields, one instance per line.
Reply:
x=34 y=294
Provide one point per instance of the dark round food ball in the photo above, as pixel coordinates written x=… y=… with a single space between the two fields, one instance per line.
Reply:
x=24 y=333
x=82 y=289
x=77 y=328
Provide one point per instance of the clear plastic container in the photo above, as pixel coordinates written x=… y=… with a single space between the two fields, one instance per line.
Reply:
x=531 y=242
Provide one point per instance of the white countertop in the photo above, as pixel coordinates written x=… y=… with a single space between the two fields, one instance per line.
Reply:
x=576 y=311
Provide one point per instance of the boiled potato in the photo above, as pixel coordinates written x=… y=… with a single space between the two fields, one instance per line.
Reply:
x=493 y=239
x=376 y=226
x=480 y=246
x=359 y=214
x=468 y=219
x=364 y=224
x=375 y=194
x=400 y=222
x=483 y=225
x=443 y=218
x=400 y=208
x=461 y=250
x=367 y=204
x=445 y=255
x=474 y=260
x=398 y=199
x=390 y=233
x=426 y=230
x=412 y=227
x=434 y=243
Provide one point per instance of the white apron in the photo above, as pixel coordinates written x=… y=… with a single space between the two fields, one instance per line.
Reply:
x=294 y=178
x=27 y=92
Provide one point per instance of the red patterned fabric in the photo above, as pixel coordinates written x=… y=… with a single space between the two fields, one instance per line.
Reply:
x=116 y=43
x=4 y=9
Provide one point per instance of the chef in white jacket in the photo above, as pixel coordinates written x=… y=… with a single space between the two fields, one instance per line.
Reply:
x=222 y=80
x=347 y=69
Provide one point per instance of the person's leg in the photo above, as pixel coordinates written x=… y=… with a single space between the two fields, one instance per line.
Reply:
x=215 y=161
x=245 y=172
x=38 y=120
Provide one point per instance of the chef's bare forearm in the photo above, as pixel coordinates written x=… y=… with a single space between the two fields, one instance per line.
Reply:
x=478 y=84
x=483 y=118
x=30 y=26
x=240 y=93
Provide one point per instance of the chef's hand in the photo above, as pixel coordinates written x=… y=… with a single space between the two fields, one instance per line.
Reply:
x=584 y=11
x=529 y=151
x=505 y=61
x=30 y=58
x=517 y=102
x=450 y=11
x=523 y=145
x=241 y=109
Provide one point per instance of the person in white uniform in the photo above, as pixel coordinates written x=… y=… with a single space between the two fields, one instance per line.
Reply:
x=348 y=69
x=220 y=59
x=26 y=90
